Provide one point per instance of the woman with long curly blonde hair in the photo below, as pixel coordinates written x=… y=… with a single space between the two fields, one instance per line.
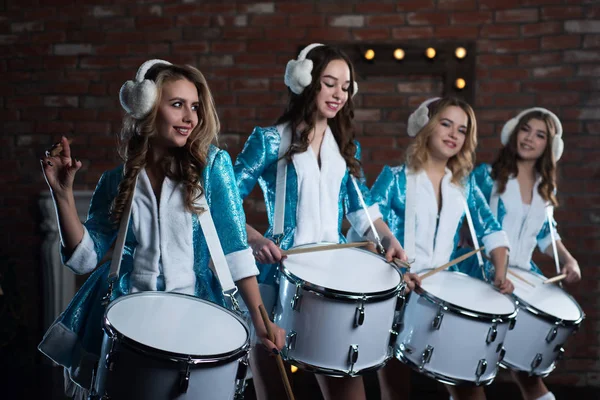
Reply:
x=436 y=172
x=170 y=164
x=520 y=187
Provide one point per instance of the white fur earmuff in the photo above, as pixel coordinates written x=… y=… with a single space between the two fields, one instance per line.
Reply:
x=298 y=72
x=138 y=96
x=419 y=118
x=557 y=143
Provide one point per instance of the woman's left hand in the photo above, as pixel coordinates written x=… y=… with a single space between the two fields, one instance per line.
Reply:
x=571 y=268
x=278 y=333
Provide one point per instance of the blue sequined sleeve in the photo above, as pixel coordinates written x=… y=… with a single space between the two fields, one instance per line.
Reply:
x=482 y=178
x=382 y=190
x=251 y=162
x=355 y=212
x=229 y=218
x=485 y=224
x=99 y=230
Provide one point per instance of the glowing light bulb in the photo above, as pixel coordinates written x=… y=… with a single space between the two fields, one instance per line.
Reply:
x=460 y=83
x=293 y=368
x=430 y=52
x=399 y=54
x=460 y=52
x=370 y=54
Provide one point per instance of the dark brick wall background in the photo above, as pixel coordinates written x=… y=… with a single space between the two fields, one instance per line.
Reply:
x=62 y=63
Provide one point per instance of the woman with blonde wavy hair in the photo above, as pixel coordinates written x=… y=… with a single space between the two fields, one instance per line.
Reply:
x=170 y=162
x=520 y=187
x=437 y=168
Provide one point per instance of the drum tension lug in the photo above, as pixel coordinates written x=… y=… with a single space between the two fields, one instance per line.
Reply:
x=481 y=368
x=290 y=341
x=492 y=333
x=295 y=303
x=537 y=360
x=240 y=384
x=352 y=357
x=359 y=315
x=560 y=350
x=512 y=323
x=552 y=334
x=426 y=356
x=437 y=320
x=501 y=353
x=111 y=356
x=184 y=381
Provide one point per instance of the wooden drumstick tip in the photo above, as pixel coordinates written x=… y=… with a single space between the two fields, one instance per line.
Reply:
x=557 y=278
x=280 y=365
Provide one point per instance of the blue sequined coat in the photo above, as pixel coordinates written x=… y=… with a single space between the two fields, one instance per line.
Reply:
x=437 y=237
x=258 y=163
x=74 y=339
x=525 y=229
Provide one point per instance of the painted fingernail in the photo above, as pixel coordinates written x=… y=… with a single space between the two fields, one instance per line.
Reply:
x=276 y=352
x=49 y=163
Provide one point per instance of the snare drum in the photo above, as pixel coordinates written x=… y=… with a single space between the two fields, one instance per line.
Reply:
x=548 y=316
x=454 y=328
x=162 y=345
x=337 y=307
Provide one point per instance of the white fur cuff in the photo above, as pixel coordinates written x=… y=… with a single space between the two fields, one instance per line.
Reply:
x=84 y=258
x=359 y=219
x=241 y=264
x=495 y=240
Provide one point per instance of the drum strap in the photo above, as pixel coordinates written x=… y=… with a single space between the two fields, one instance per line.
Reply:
x=473 y=235
x=410 y=217
x=115 y=264
x=549 y=212
x=366 y=209
x=216 y=252
x=285 y=135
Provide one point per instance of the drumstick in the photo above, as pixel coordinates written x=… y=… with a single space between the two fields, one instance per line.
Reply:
x=323 y=248
x=54 y=151
x=557 y=278
x=404 y=264
x=508 y=271
x=284 y=377
x=451 y=263
x=519 y=277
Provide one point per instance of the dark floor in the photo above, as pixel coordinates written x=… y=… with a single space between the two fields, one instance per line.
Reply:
x=46 y=382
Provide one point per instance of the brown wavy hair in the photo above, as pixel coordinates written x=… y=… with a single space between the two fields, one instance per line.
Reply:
x=183 y=164
x=302 y=108
x=505 y=165
x=462 y=163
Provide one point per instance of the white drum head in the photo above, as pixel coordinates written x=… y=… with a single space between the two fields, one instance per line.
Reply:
x=469 y=293
x=549 y=298
x=177 y=323
x=348 y=270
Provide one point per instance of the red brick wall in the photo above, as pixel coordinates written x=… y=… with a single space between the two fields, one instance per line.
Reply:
x=63 y=61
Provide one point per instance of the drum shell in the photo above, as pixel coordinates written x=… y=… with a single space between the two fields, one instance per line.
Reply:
x=459 y=345
x=528 y=339
x=128 y=370
x=325 y=330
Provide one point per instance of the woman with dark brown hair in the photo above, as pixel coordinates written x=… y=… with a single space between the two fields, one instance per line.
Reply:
x=520 y=187
x=315 y=138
